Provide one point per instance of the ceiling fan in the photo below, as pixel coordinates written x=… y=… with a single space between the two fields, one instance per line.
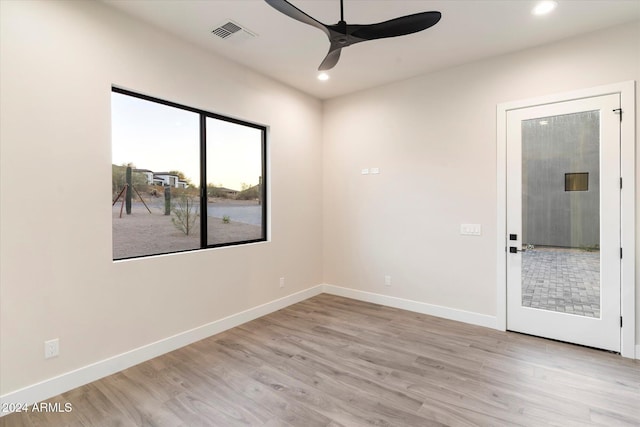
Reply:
x=342 y=34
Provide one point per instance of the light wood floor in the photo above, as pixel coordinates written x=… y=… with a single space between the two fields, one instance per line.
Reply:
x=332 y=361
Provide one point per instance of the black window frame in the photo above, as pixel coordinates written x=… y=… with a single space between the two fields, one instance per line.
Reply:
x=203 y=115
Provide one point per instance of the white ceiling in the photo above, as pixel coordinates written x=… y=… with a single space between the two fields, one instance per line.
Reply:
x=290 y=51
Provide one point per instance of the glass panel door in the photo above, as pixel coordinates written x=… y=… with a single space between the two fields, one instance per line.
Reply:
x=561 y=213
x=563 y=220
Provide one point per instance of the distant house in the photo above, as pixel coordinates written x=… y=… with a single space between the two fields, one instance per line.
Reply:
x=167 y=179
x=222 y=192
x=147 y=173
x=228 y=192
x=163 y=179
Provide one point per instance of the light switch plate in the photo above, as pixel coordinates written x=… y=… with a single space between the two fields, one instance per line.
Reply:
x=365 y=172
x=375 y=170
x=470 y=229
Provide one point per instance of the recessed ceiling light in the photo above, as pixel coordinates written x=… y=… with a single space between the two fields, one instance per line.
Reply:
x=544 y=7
x=323 y=76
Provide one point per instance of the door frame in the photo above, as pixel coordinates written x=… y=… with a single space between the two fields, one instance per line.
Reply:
x=627 y=208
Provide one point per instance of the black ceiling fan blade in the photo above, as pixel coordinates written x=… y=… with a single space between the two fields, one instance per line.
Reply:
x=343 y=35
x=290 y=10
x=331 y=59
x=397 y=27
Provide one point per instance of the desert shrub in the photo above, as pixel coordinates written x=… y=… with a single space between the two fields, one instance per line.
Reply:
x=192 y=192
x=250 y=193
x=185 y=213
x=219 y=192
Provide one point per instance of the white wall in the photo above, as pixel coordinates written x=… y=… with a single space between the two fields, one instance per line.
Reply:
x=59 y=60
x=434 y=139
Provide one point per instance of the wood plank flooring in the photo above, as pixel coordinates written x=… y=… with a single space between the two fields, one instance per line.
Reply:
x=333 y=361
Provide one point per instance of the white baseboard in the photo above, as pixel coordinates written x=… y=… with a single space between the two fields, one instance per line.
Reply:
x=415 y=306
x=70 y=380
x=637 y=355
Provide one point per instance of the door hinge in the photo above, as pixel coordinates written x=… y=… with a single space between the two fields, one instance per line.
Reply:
x=620 y=253
x=621 y=183
x=619 y=112
x=621 y=321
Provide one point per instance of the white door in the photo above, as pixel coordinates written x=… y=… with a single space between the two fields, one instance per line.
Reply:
x=563 y=221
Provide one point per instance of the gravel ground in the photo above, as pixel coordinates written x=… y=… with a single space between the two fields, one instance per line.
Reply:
x=142 y=233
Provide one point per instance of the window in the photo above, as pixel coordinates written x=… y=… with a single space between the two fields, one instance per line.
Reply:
x=576 y=181
x=182 y=178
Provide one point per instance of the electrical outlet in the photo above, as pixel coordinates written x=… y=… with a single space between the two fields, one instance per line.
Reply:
x=282 y=282
x=51 y=348
x=387 y=280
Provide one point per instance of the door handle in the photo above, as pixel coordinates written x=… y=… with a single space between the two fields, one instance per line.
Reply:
x=515 y=250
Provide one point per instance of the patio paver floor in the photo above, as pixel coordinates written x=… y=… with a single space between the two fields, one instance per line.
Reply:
x=562 y=279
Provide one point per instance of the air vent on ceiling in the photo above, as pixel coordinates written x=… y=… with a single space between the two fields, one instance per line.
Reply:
x=230 y=30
